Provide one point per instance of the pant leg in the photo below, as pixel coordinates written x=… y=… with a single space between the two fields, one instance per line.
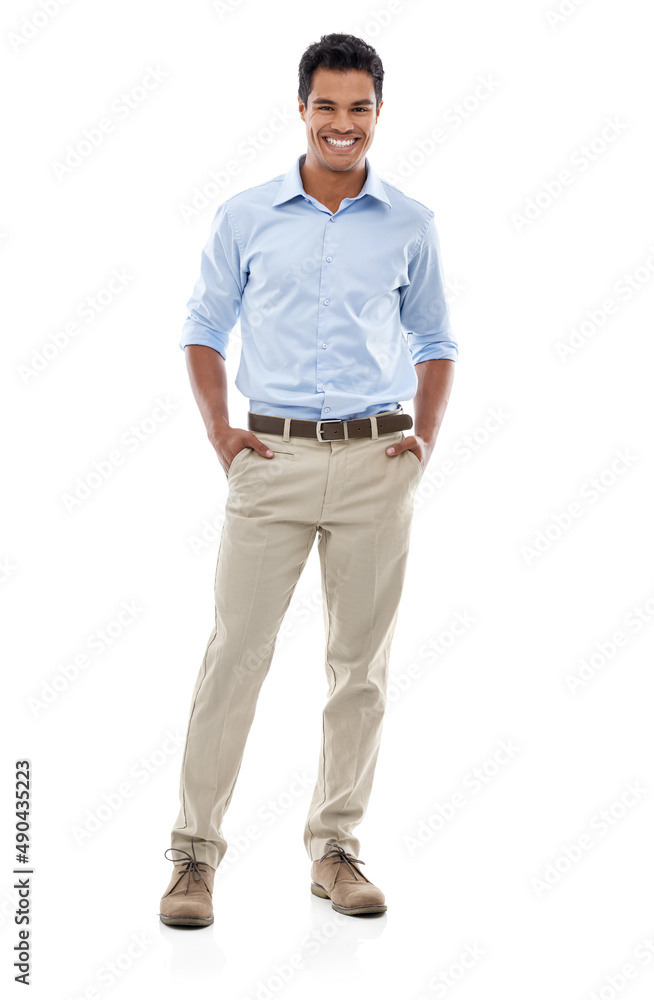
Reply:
x=268 y=532
x=363 y=544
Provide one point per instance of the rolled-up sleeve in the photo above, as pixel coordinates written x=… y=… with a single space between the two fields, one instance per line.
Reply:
x=215 y=305
x=424 y=311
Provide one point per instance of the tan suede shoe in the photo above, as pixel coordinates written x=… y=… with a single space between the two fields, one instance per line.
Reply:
x=187 y=900
x=336 y=876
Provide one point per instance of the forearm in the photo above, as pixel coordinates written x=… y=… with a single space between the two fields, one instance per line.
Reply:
x=435 y=378
x=208 y=376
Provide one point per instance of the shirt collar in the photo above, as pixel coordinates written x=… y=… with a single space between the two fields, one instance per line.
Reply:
x=292 y=186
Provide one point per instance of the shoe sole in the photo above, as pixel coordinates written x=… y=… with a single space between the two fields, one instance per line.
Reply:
x=351 y=911
x=186 y=921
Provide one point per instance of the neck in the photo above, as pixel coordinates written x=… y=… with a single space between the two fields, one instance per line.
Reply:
x=322 y=183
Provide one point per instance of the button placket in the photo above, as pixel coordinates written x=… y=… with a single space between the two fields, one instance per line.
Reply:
x=325 y=300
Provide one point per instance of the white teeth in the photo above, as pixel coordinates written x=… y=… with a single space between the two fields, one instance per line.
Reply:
x=340 y=142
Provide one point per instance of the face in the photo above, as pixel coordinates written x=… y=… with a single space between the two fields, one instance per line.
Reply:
x=341 y=106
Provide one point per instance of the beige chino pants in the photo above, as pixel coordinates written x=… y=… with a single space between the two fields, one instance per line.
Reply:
x=359 y=502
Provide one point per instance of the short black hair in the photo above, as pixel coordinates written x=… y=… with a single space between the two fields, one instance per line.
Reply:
x=340 y=52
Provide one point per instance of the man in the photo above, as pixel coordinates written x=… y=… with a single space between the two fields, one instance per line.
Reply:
x=327 y=267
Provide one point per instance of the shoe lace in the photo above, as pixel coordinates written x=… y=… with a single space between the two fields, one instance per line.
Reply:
x=347 y=858
x=191 y=867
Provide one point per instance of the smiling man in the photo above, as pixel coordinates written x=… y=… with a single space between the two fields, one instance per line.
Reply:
x=337 y=280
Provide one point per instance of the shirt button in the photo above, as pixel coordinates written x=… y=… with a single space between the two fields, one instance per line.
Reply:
x=327 y=409
x=324 y=345
x=326 y=302
x=329 y=259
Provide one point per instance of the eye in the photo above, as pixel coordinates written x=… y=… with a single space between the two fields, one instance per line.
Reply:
x=328 y=107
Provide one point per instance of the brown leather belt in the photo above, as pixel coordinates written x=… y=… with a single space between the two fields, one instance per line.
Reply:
x=330 y=430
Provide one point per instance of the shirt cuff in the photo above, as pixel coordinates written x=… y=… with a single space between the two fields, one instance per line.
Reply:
x=194 y=333
x=432 y=352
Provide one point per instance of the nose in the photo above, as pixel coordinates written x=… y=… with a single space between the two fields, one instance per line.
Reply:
x=342 y=122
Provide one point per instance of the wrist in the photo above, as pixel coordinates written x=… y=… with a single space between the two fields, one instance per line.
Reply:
x=217 y=427
x=428 y=436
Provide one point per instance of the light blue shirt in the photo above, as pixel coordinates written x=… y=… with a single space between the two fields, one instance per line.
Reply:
x=335 y=308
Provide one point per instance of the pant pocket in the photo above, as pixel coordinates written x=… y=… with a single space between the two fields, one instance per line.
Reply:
x=414 y=458
x=236 y=460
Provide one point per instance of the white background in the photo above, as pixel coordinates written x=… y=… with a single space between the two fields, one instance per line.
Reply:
x=491 y=542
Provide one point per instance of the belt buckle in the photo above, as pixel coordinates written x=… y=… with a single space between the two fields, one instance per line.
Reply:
x=319 y=427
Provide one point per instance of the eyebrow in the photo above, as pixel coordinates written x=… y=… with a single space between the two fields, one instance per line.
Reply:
x=327 y=100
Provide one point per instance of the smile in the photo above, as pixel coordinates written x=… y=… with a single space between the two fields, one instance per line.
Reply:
x=340 y=143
